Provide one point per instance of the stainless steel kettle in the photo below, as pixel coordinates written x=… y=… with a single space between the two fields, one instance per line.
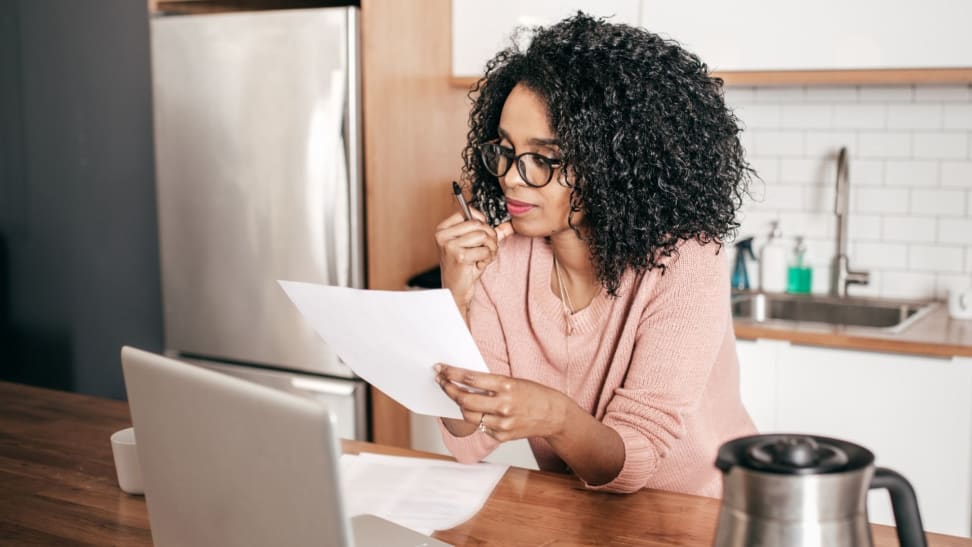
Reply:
x=802 y=490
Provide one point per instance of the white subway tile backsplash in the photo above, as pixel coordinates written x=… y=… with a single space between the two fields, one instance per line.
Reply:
x=914 y=116
x=756 y=195
x=755 y=222
x=820 y=282
x=884 y=145
x=737 y=95
x=886 y=93
x=746 y=141
x=911 y=173
x=860 y=116
x=806 y=116
x=821 y=198
x=946 y=282
x=958 y=116
x=932 y=93
x=955 y=230
x=759 y=116
x=957 y=173
x=831 y=94
x=807 y=170
x=863 y=227
x=941 y=145
x=879 y=255
x=907 y=285
x=768 y=168
x=783 y=94
x=910 y=229
x=784 y=197
x=910 y=178
x=820 y=252
x=867 y=172
x=940 y=203
x=778 y=143
x=879 y=200
x=930 y=258
x=826 y=144
x=808 y=225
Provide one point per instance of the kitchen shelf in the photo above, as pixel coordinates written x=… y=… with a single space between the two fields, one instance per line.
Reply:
x=821 y=77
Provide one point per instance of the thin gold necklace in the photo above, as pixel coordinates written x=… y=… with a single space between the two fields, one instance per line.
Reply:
x=568 y=306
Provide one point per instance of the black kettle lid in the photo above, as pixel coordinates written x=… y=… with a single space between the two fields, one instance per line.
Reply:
x=793 y=454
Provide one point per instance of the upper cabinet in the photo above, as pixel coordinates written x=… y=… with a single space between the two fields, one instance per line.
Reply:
x=481 y=29
x=759 y=42
x=756 y=35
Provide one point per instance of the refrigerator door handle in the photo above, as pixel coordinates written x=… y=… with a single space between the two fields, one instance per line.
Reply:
x=355 y=158
x=325 y=387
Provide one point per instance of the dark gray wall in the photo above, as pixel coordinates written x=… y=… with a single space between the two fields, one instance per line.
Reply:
x=79 y=267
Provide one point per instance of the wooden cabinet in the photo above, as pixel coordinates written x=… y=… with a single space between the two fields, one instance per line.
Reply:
x=414 y=131
x=914 y=413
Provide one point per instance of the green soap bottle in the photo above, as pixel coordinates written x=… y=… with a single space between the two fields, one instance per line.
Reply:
x=799 y=274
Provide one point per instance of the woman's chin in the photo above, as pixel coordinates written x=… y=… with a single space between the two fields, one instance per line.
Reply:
x=529 y=228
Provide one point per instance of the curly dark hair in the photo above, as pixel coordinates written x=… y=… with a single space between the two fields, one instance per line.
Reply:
x=653 y=150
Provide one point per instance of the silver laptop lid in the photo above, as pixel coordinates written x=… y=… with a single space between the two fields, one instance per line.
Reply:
x=229 y=462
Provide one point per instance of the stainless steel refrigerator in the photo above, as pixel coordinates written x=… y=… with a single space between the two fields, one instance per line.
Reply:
x=258 y=160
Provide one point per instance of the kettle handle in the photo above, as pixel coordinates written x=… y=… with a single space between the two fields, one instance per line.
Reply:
x=907 y=519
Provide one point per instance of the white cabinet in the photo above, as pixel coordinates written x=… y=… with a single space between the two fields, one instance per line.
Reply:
x=747 y=35
x=757 y=379
x=914 y=413
x=481 y=29
x=755 y=35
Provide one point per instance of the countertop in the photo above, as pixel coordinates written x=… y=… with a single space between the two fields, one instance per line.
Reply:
x=935 y=334
x=59 y=487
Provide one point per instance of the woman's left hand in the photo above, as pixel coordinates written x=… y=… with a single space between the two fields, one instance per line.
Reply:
x=507 y=408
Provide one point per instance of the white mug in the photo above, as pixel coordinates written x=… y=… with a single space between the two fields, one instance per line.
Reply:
x=960 y=303
x=126 y=461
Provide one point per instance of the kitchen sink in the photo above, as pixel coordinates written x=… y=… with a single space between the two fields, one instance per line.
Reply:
x=877 y=313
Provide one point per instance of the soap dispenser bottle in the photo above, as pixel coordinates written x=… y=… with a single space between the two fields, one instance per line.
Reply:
x=740 y=274
x=799 y=276
x=772 y=261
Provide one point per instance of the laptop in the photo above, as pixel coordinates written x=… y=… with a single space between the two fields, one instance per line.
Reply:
x=226 y=462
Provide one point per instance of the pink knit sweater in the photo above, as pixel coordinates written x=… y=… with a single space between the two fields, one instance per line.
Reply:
x=657 y=364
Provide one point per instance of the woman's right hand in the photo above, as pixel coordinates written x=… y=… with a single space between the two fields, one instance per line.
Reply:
x=466 y=247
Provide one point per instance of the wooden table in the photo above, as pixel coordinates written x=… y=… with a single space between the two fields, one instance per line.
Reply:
x=57 y=486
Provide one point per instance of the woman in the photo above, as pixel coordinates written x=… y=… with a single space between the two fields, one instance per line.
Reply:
x=608 y=171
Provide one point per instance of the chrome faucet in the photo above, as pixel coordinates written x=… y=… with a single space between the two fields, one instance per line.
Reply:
x=841 y=275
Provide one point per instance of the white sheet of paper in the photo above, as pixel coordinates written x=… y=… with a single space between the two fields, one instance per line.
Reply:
x=392 y=339
x=418 y=493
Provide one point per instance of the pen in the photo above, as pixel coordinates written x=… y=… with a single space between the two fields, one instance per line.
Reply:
x=457 y=192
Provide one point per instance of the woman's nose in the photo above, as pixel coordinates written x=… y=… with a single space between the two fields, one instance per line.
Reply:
x=512 y=177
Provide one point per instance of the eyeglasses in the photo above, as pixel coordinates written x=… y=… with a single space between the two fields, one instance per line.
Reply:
x=535 y=169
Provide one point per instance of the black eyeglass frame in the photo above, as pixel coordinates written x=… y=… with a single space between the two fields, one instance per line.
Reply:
x=514 y=159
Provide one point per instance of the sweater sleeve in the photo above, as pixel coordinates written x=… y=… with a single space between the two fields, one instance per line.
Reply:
x=487 y=331
x=677 y=342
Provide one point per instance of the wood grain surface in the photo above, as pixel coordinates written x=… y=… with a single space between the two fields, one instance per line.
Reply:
x=57 y=487
x=935 y=335
x=414 y=131
x=821 y=77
